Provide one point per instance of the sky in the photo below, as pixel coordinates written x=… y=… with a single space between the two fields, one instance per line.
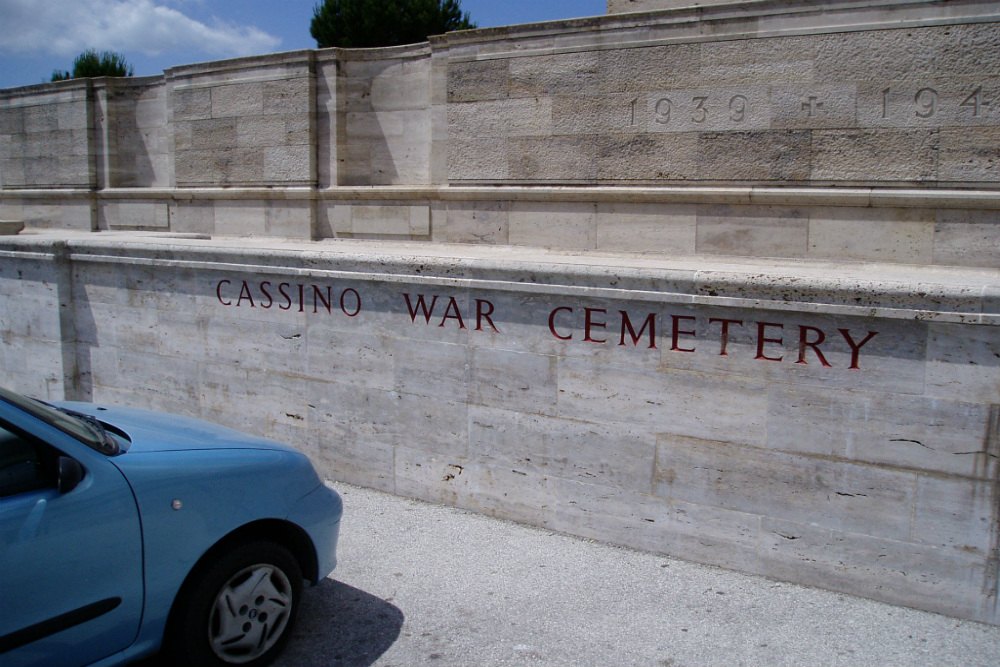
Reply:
x=39 y=36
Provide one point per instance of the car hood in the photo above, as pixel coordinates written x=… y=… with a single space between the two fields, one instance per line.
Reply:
x=151 y=431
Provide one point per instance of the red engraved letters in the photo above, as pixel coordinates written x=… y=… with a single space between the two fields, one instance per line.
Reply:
x=775 y=342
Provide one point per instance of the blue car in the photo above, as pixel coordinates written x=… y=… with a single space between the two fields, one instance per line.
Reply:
x=123 y=531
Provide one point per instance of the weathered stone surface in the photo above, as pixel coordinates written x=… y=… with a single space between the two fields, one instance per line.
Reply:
x=963 y=363
x=970 y=154
x=478 y=80
x=151 y=215
x=646 y=227
x=778 y=231
x=755 y=156
x=664 y=401
x=905 y=432
x=896 y=235
x=474 y=222
x=544 y=225
x=647 y=157
x=650 y=68
x=553 y=158
x=967 y=238
x=869 y=155
x=832 y=494
x=865 y=566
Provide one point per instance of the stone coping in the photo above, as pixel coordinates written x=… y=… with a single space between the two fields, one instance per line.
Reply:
x=714 y=22
x=755 y=195
x=943 y=294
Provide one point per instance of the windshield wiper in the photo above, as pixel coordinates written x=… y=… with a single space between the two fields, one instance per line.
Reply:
x=109 y=445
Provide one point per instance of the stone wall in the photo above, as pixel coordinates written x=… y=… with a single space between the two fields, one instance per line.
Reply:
x=835 y=425
x=721 y=282
x=893 y=100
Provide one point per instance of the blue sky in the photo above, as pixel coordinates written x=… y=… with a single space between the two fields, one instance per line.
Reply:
x=38 y=36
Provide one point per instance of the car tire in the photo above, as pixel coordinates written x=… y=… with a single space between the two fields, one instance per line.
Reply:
x=239 y=610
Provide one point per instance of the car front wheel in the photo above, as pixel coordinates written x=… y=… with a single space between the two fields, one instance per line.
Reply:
x=238 y=611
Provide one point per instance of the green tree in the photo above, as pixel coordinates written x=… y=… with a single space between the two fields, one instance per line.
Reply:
x=367 y=23
x=96 y=63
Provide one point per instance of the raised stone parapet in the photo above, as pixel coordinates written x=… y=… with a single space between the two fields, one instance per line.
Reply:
x=829 y=424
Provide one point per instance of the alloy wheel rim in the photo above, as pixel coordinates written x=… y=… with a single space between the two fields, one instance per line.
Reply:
x=250 y=613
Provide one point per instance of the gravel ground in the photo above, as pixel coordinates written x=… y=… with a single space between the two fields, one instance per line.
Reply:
x=421 y=584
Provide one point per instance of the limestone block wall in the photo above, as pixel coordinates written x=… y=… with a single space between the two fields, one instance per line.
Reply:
x=45 y=137
x=766 y=104
x=133 y=129
x=385 y=117
x=245 y=123
x=36 y=321
x=832 y=425
x=889 y=107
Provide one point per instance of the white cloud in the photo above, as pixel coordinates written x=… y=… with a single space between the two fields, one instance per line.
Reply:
x=67 y=27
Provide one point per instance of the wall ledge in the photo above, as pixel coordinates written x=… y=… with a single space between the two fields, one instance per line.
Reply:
x=761 y=195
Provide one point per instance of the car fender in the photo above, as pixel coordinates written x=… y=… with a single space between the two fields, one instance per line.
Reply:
x=318 y=513
x=191 y=499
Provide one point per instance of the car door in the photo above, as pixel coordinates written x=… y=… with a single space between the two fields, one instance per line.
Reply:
x=71 y=589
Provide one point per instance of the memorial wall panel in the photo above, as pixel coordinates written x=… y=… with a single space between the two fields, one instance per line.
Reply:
x=603 y=400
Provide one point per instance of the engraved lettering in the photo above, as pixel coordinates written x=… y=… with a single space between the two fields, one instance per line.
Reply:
x=552 y=322
x=761 y=339
x=452 y=306
x=245 y=294
x=632 y=105
x=975 y=100
x=421 y=306
x=218 y=293
x=725 y=333
x=288 y=299
x=885 y=103
x=484 y=314
x=627 y=325
x=263 y=290
x=855 y=347
x=770 y=345
x=926 y=100
x=677 y=331
x=700 y=113
x=318 y=298
x=804 y=342
x=343 y=306
x=738 y=107
x=663 y=111
x=589 y=323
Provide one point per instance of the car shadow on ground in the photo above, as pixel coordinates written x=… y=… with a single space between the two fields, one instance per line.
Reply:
x=338 y=626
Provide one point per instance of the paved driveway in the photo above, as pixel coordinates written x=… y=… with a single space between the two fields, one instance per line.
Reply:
x=420 y=584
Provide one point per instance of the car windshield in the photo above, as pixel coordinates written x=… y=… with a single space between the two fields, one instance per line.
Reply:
x=83 y=427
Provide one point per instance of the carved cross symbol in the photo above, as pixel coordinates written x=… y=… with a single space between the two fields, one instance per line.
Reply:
x=811 y=105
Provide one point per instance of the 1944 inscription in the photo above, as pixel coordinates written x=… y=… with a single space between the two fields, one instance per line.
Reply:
x=810 y=345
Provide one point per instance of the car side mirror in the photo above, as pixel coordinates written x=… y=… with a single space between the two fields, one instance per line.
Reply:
x=70 y=474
